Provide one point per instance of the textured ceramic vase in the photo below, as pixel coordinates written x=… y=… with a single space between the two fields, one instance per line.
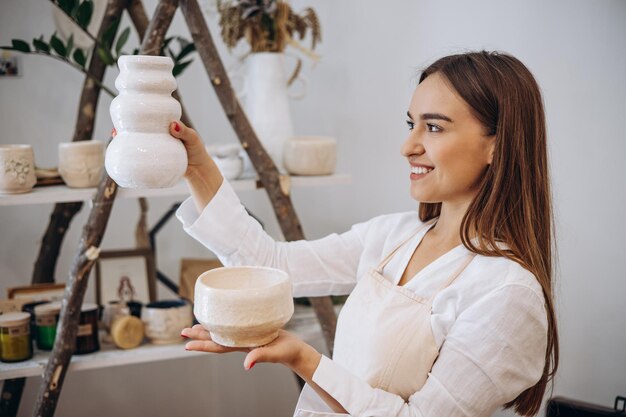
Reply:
x=243 y=306
x=144 y=154
x=17 y=169
x=81 y=163
x=164 y=320
x=311 y=155
x=267 y=102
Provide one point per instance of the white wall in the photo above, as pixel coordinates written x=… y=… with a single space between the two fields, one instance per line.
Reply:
x=359 y=94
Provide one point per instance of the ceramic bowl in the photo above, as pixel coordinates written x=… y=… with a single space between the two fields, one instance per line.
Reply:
x=164 y=320
x=310 y=155
x=243 y=306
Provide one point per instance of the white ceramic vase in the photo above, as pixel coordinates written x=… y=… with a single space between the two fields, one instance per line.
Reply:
x=267 y=102
x=144 y=154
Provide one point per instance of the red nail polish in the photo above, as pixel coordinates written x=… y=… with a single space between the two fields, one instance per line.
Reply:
x=186 y=337
x=176 y=127
x=251 y=365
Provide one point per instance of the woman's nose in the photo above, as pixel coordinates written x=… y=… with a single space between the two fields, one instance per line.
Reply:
x=412 y=145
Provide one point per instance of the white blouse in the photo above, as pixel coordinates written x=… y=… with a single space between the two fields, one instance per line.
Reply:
x=490 y=324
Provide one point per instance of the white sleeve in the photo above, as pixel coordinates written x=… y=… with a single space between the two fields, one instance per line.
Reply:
x=327 y=266
x=494 y=351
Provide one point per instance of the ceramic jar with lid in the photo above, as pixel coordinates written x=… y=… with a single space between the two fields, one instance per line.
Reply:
x=143 y=154
x=15 y=344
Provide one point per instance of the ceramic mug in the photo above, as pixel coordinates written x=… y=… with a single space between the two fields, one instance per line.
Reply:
x=164 y=320
x=81 y=163
x=17 y=169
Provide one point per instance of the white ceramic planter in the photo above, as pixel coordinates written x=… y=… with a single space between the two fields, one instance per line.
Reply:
x=243 y=306
x=267 y=102
x=144 y=154
x=17 y=169
x=311 y=155
x=81 y=163
x=164 y=320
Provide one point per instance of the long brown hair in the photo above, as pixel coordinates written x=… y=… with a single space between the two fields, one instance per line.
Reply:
x=513 y=204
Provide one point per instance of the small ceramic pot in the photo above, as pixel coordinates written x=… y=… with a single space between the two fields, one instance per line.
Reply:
x=17 y=169
x=164 y=320
x=81 y=163
x=310 y=155
x=243 y=306
x=143 y=154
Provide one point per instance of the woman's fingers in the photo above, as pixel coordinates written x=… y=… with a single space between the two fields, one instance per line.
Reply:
x=113 y=133
x=209 y=346
x=182 y=132
x=196 y=332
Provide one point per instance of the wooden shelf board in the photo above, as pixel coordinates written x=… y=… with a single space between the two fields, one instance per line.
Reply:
x=304 y=324
x=62 y=193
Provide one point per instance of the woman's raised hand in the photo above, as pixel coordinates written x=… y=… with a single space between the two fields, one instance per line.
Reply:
x=197 y=154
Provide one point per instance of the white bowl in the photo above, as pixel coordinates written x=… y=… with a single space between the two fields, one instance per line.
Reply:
x=243 y=306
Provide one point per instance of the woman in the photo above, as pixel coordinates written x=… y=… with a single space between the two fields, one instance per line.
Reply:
x=450 y=310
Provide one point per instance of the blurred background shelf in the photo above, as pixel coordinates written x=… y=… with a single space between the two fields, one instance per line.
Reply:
x=62 y=193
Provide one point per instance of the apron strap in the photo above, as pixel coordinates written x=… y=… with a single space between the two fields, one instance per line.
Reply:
x=454 y=276
x=385 y=261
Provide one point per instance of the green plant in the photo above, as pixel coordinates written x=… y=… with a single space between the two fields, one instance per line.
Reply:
x=108 y=47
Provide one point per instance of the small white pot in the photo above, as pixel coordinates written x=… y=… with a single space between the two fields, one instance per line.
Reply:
x=17 y=169
x=243 y=306
x=310 y=155
x=81 y=163
x=164 y=320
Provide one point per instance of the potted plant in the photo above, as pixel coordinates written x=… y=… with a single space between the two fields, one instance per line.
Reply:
x=269 y=27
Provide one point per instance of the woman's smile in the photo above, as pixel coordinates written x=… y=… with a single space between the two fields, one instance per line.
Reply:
x=420 y=171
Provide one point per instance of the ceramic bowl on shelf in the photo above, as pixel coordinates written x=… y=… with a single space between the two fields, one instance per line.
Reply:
x=81 y=163
x=165 y=319
x=310 y=155
x=243 y=306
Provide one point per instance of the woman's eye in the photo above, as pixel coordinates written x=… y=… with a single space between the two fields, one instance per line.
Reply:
x=432 y=128
x=410 y=124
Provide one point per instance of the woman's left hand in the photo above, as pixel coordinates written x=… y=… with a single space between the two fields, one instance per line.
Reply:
x=286 y=349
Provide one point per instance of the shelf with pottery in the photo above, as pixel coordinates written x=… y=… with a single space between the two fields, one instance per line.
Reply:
x=303 y=323
x=62 y=193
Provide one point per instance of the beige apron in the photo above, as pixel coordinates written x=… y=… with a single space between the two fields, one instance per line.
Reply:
x=384 y=335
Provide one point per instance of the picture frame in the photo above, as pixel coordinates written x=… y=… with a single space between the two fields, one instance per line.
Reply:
x=37 y=292
x=126 y=274
x=190 y=270
x=10 y=65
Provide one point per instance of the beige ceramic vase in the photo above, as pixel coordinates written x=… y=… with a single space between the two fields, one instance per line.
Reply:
x=243 y=306
x=143 y=154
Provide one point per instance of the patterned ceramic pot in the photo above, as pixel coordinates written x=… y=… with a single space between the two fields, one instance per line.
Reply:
x=144 y=154
x=164 y=320
x=243 y=306
x=17 y=169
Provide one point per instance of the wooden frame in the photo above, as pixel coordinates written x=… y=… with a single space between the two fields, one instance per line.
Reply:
x=136 y=265
x=36 y=292
x=190 y=270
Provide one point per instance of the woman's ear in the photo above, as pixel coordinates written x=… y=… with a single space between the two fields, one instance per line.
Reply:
x=491 y=149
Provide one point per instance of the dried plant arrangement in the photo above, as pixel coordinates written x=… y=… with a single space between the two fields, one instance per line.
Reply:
x=268 y=25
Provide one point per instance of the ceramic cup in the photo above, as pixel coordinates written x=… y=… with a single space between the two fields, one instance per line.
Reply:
x=81 y=163
x=243 y=306
x=310 y=155
x=17 y=169
x=164 y=320
x=228 y=160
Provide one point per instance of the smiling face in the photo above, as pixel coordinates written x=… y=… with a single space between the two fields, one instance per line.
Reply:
x=447 y=147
